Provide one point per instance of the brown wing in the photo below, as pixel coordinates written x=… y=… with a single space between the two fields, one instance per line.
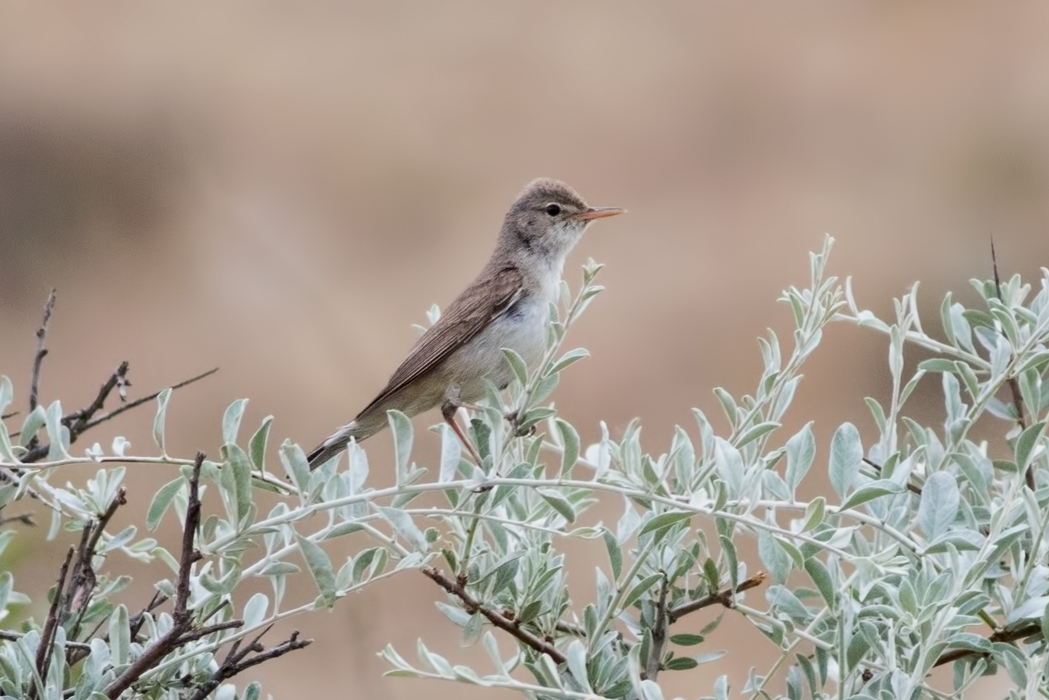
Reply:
x=486 y=299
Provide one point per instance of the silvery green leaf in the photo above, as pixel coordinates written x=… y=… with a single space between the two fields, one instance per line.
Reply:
x=939 y=504
x=569 y=358
x=280 y=568
x=119 y=445
x=57 y=434
x=255 y=610
x=295 y=466
x=559 y=503
x=615 y=554
x=728 y=406
x=451 y=452
x=401 y=426
x=120 y=539
x=240 y=470
x=639 y=589
x=729 y=463
x=545 y=387
x=570 y=446
x=870 y=491
x=471 y=631
x=160 y=418
x=257 y=444
x=773 y=556
x=814 y=513
x=846 y=456
x=755 y=432
x=33 y=422
x=1029 y=609
x=320 y=568
x=119 y=636
x=359 y=469
x=7 y=452
x=665 y=521
x=801 y=450
x=577 y=657
x=1026 y=443
x=231 y=420
x=402 y=523
x=7 y=392
x=492 y=648
x=517 y=365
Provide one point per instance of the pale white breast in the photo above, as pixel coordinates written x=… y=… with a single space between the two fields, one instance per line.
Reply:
x=522 y=328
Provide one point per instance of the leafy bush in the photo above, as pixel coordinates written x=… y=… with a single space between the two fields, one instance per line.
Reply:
x=929 y=550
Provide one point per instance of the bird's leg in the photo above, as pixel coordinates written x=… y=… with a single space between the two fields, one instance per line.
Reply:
x=448 y=409
x=514 y=419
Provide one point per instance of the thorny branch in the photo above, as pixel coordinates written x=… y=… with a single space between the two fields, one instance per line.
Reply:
x=473 y=606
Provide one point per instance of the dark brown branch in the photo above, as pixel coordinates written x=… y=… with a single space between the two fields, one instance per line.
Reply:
x=83 y=583
x=1014 y=385
x=41 y=351
x=726 y=597
x=83 y=420
x=238 y=659
x=473 y=606
x=1006 y=635
x=47 y=637
x=182 y=616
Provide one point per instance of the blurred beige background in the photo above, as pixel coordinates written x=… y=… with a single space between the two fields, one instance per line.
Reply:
x=282 y=189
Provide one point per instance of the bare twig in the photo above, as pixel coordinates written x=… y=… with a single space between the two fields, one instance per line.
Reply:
x=1014 y=385
x=47 y=637
x=473 y=606
x=41 y=351
x=24 y=518
x=10 y=636
x=238 y=659
x=913 y=488
x=726 y=597
x=83 y=420
x=1006 y=635
x=83 y=584
x=182 y=616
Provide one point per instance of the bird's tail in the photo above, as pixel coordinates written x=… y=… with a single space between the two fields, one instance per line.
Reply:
x=356 y=430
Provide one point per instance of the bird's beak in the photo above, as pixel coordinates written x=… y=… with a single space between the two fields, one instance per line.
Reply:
x=598 y=213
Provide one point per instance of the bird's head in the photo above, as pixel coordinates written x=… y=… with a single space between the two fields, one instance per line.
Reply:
x=548 y=219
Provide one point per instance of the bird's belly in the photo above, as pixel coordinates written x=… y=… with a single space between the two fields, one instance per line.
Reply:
x=522 y=329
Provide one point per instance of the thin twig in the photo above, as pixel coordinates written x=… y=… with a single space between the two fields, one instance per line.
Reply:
x=1014 y=385
x=1005 y=635
x=726 y=597
x=913 y=488
x=41 y=351
x=182 y=616
x=84 y=421
x=47 y=637
x=473 y=606
x=24 y=518
x=10 y=636
x=237 y=660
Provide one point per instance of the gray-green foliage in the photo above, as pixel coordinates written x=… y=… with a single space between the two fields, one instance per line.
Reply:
x=928 y=548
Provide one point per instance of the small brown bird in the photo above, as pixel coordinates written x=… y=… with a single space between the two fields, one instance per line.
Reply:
x=506 y=306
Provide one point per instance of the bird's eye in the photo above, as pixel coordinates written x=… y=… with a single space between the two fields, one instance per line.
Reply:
x=553 y=209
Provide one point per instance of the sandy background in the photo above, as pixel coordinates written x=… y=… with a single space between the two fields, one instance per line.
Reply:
x=282 y=189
